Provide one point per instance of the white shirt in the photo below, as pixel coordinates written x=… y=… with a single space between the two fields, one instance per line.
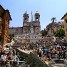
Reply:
x=3 y=57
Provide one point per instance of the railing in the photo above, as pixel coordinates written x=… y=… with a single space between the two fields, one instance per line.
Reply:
x=10 y=63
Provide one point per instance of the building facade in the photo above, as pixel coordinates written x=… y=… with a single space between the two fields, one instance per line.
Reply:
x=31 y=26
x=28 y=26
x=53 y=27
x=30 y=31
x=64 y=23
x=4 y=25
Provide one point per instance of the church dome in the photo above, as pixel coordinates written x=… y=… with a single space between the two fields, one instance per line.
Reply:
x=37 y=14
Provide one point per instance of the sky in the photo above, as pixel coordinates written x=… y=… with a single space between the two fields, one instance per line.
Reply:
x=46 y=8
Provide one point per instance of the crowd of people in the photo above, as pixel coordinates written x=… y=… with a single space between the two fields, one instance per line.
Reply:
x=56 y=52
x=7 y=55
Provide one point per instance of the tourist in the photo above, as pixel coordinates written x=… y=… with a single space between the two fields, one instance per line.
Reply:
x=4 y=59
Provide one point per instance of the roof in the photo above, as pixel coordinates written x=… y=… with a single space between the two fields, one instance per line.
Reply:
x=15 y=27
x=25 y=15
x=4 y=12
x=64 y=16
x=1 y=9
x=8 y=14
x=37 y=14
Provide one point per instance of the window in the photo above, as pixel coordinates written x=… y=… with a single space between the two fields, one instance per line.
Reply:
x=25 y=18
x=35 y=36
x=0 y=38
x=66 y=20
x=37 y=18
x=0 y=14
x=0 y=19
x=66 y=29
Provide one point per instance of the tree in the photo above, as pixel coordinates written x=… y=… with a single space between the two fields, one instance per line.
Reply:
x=60 y=32
x=43 y=32
x=53 y=19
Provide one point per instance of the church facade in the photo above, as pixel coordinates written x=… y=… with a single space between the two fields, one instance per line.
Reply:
x=31 y=26
x=30 y=31
x=28 y=26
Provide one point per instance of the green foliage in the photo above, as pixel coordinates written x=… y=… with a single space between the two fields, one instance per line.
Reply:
x=43 y=32
x=60 y=33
